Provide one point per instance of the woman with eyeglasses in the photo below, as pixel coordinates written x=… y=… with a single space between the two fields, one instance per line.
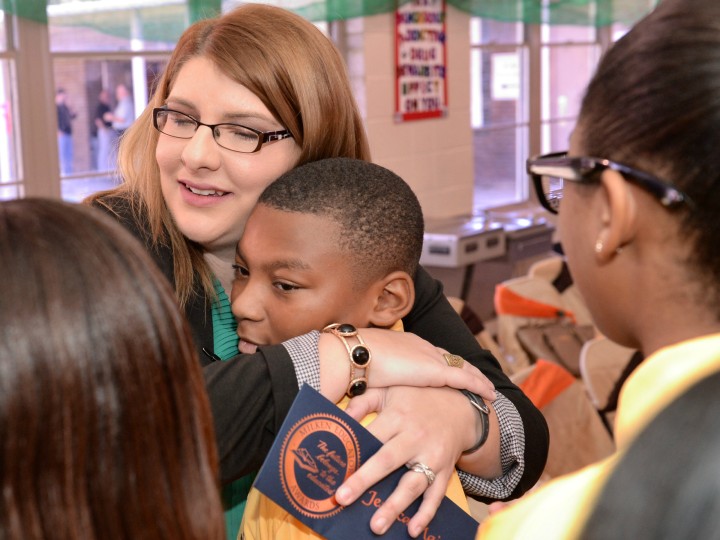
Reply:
x=246 y=97
x=638 y=198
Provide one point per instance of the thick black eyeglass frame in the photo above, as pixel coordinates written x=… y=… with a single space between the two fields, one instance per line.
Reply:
x=585 y=170
x=263 y=136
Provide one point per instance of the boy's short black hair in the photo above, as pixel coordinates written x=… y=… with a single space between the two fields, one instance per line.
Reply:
x=380 y=217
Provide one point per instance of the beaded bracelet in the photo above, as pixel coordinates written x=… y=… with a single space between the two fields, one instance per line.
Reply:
x=358 y=354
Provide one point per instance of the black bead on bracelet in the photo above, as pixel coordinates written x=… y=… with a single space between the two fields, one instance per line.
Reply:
x=359 y=356
x=477 y=402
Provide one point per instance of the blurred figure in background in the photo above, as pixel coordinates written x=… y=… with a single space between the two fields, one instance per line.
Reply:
x=105 y=134
x=123 y=115
x=65 y=116
x=121 y=118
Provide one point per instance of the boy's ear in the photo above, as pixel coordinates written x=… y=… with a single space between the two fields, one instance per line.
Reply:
x=394 y=298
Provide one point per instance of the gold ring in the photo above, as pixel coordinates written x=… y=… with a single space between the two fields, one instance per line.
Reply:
x=453 y=360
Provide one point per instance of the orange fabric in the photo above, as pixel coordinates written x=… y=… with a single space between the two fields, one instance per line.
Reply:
x=546 y=382
x=508 y=302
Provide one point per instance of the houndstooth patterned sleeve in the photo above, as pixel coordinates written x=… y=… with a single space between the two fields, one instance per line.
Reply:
x=512 y=455
x=303 y=351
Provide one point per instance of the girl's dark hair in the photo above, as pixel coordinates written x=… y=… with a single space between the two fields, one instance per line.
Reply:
x=105 y=427
x=654 y=104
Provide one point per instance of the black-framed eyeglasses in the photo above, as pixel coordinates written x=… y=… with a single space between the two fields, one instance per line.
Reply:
x=549 y=173
x=235 y=137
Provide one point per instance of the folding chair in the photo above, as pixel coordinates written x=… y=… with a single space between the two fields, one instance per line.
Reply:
x=604 y=366
x=577 y=434
x=542 y=315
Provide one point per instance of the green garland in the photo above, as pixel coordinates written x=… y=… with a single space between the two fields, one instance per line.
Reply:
x=165 y=22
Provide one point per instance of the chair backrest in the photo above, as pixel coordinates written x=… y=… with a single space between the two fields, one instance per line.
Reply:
x=555 y=270
x=603 y=363
x=548 y=268
x=522 y=302
x=546 y=295
x=577 y=434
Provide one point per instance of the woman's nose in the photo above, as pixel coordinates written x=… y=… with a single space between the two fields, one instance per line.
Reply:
x=201 y=151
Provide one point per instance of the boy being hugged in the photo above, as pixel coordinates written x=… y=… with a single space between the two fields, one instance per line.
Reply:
x=333 y=241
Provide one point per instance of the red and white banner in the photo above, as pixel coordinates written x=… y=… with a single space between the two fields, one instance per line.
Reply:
x=420 y=60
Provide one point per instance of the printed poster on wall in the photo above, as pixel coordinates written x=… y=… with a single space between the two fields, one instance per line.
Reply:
x=420 y=60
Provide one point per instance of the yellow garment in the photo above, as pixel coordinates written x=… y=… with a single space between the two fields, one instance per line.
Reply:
x=265 y=520
x=560 y=509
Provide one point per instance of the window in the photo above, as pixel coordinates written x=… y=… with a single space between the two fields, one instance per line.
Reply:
x=527 y=86
x=527 y=82
x=106 y=59
x=568 y=55
x=499 y=111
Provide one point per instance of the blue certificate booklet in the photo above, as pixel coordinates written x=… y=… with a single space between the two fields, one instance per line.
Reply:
x=317 y=448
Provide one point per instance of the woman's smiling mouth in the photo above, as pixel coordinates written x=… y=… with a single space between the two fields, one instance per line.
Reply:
x=204 y=192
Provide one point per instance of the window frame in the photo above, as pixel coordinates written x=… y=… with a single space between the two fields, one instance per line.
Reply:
x=532 y=92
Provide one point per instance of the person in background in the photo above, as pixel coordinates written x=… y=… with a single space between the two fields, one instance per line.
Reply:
x=296 y=271
x=120 y=118
x=65 y=117
x=638 y=195
x=106 y=430
x=104 y=133
x=123 y=115
x=230 y=115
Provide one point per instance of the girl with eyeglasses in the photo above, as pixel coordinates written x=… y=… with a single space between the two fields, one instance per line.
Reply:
x=638 y=196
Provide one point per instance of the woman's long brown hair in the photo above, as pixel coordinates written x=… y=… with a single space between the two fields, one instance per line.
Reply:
x=105 y=426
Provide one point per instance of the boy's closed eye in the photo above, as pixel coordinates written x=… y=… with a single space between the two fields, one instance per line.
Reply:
x=285 y=286
x=241 y=271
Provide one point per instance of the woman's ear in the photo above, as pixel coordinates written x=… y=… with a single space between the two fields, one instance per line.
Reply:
x=394 y=298
x=619 y=216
